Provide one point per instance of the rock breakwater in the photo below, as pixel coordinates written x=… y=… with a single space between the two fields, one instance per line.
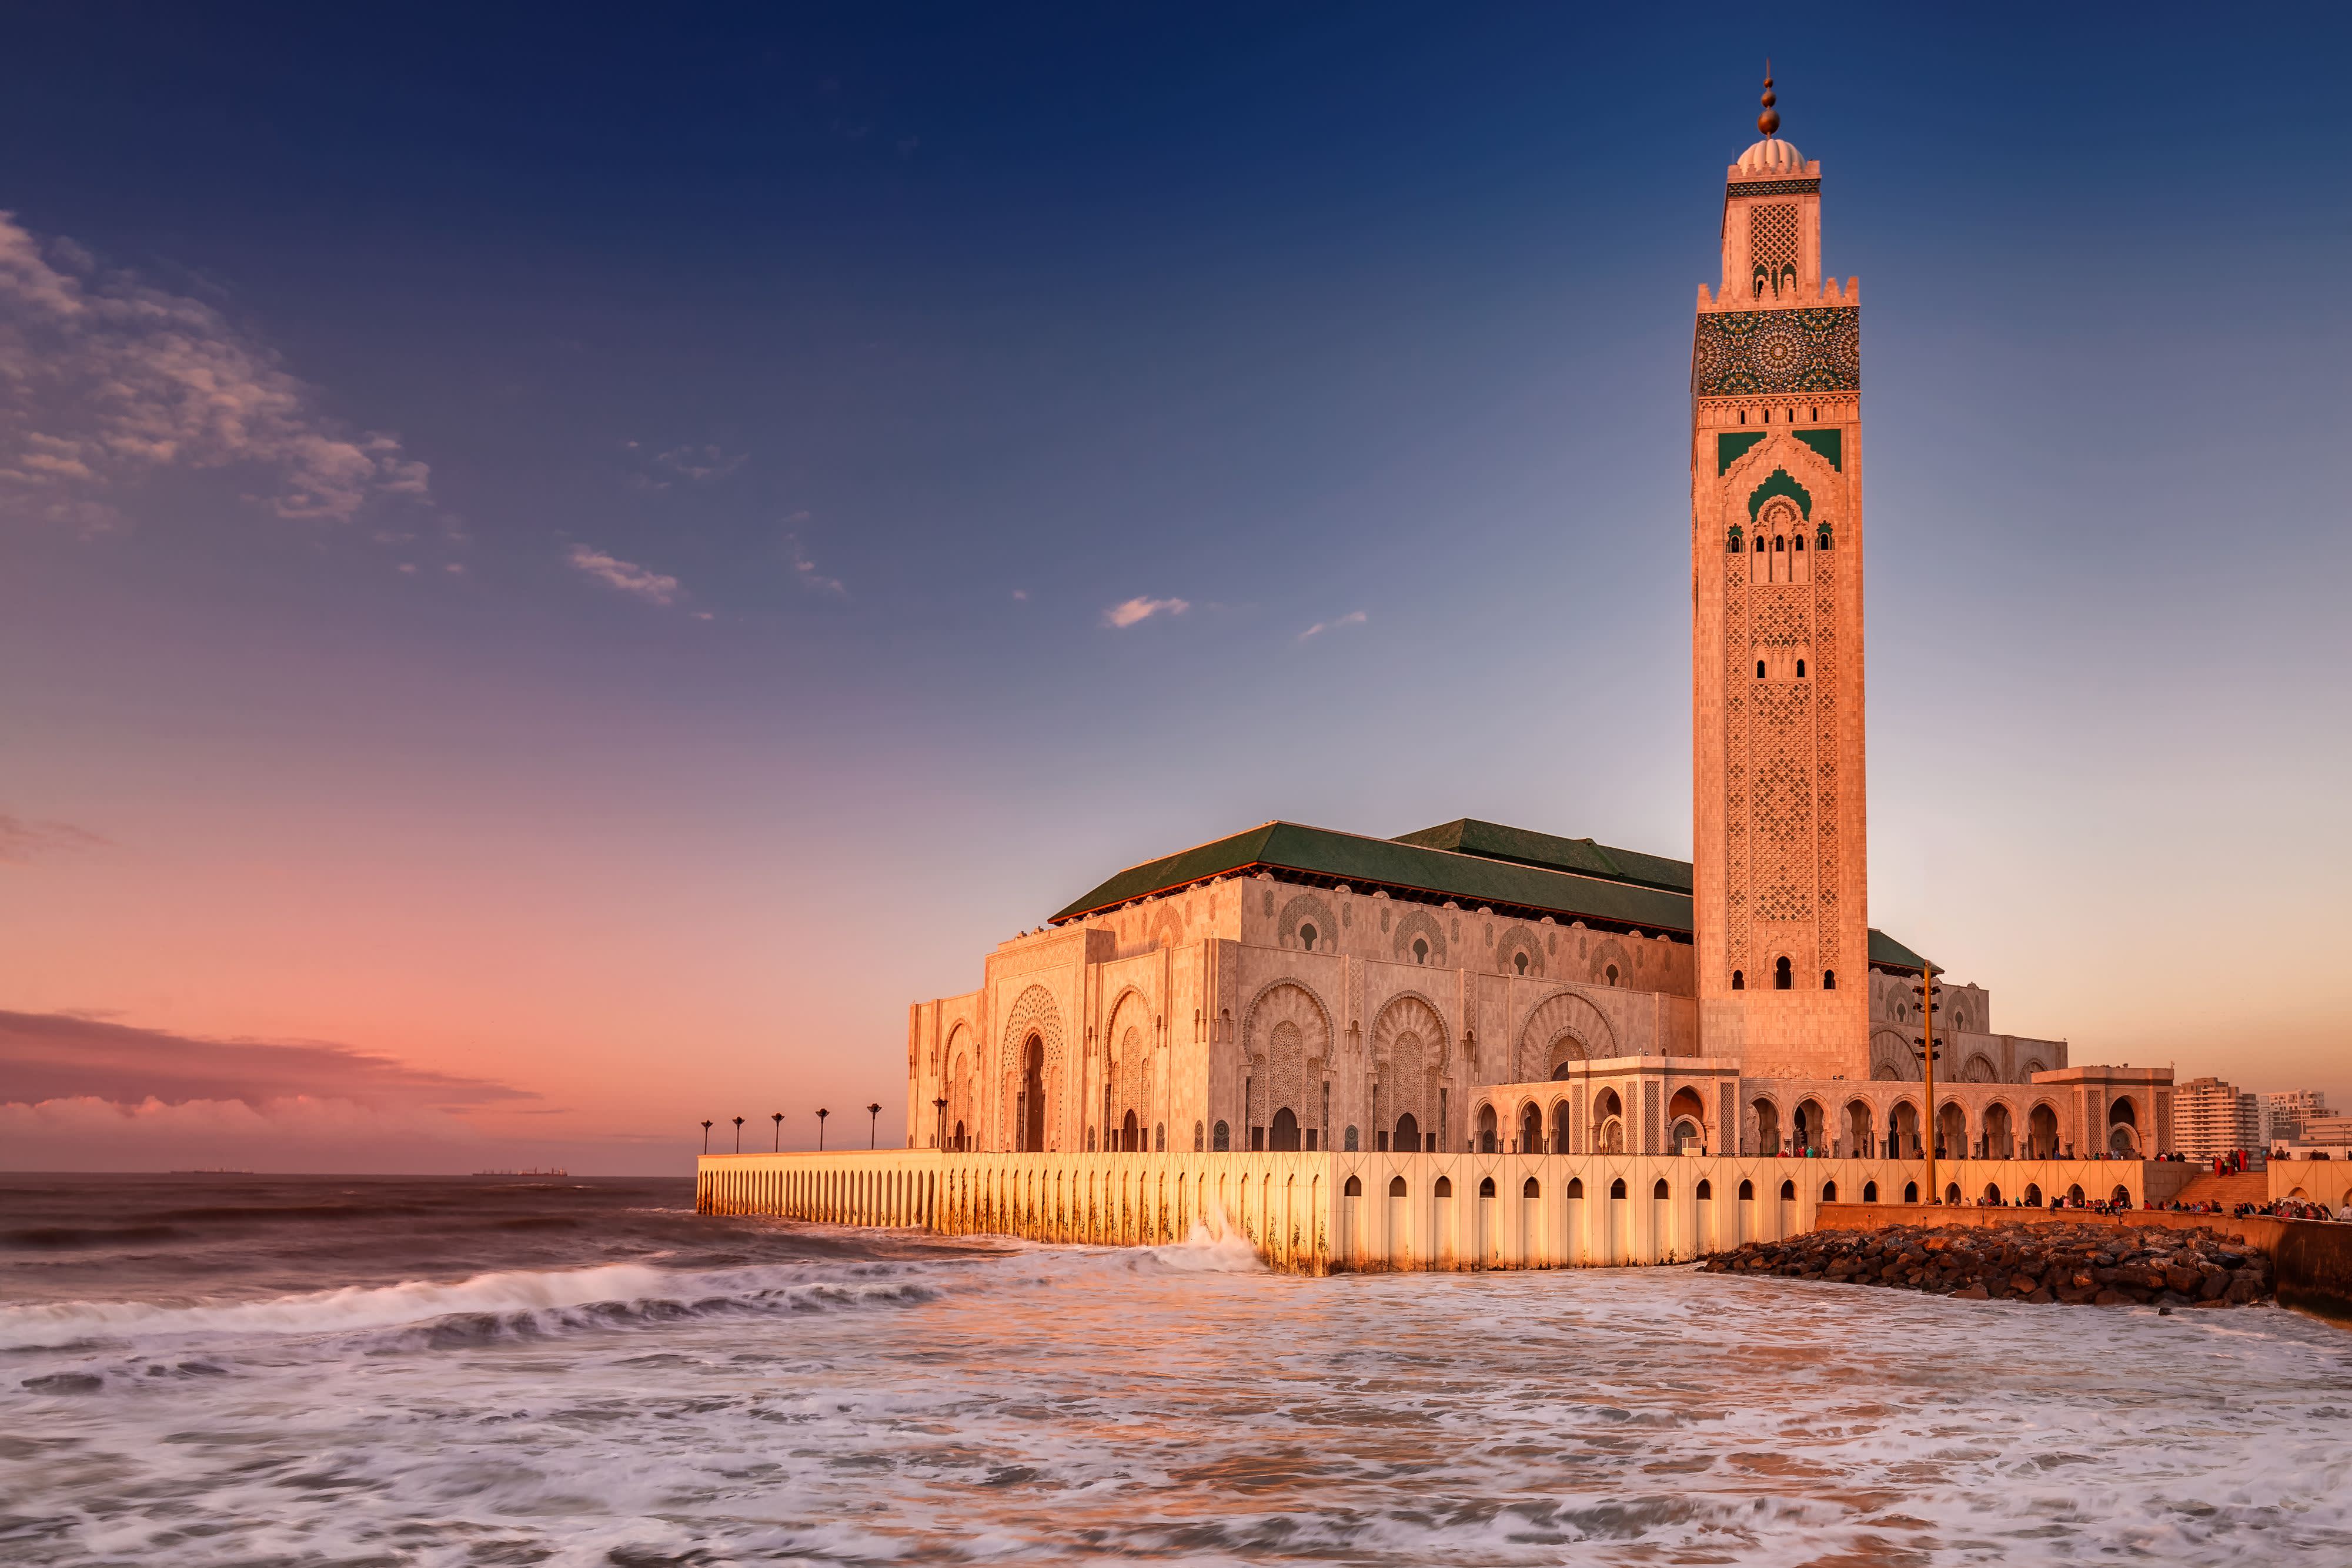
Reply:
x=2078 y=1265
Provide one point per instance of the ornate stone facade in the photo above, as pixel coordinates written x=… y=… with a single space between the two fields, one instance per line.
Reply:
x=1479 y=988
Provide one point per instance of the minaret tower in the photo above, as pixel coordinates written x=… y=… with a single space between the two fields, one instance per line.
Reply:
x=1781 y=896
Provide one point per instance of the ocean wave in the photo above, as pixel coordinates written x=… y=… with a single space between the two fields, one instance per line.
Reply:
x=509 y=1304
x=58 y=1238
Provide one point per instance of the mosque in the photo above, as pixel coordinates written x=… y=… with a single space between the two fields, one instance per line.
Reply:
x=1293 y=987
x=1276 y=1030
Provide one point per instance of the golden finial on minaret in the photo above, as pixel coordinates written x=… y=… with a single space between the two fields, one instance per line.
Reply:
x=1769 y=120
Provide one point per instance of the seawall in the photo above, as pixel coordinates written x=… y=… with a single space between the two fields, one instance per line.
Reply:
x=2312 y=1258
x=1340 y=1211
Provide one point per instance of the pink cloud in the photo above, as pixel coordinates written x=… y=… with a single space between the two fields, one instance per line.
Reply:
x=59 y=1056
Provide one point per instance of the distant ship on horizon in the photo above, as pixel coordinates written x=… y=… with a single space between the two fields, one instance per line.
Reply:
x=556 y=1172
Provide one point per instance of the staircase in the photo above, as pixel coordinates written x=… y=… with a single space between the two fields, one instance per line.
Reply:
x=2228 y=1191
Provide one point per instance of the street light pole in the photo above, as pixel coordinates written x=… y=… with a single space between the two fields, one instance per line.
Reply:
x=1926 y=991
x=779 y=1120
x=872 y=1123
x=738 y=1134
x=821 y=1115
x=706 y=1137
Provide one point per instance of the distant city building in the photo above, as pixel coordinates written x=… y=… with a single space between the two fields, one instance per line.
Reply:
x=2284 y=1114
x=2210 y=1119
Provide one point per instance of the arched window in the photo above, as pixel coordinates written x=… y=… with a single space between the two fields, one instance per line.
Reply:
x=1706 y=1193
x=1351 y=1137
x=1486 y=1187
x=1746 y=1191
x=1780 y=977
x=1870 y=1192
x=1611 y=972
x=1778 y=544
x=1444 y=1188
x=1520 y=962
x=1160 y=1137
x=1576 y=1188
x=1421 y=949
x=1531 y=1138
x=1355 y=1187
x=1396 y=1187
x=1489 y=1141
x=1788 y=1191
x=1828 y=1192
x=1408 y=1135
x=1307 y=937
x=1659 y=1191
x=1285 y=1138
x=1829 y=980
x=1617 y=1187
x=1910 y=1192
x=1801 y=669
x=1738 y=980
x=1533 y=1190
x=1797 y=543
x=1225 y=1140
x=1760 y=669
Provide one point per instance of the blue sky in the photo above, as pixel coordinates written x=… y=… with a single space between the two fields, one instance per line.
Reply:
x=658 y=598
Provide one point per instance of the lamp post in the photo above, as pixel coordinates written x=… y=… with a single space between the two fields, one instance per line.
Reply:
x=940 y=1104
x=821 y=1115
x=1926 y=991
x=706 y=1137
x=778 y=1118
x=872 y=1123
x=738 y=1134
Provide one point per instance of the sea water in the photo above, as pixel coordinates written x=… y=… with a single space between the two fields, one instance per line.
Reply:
x=220 y=1370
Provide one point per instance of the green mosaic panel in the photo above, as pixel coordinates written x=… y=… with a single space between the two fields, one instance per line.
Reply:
x=1730 y=449
x=1780 y=484
x=1830 y=444
x=1746 y=353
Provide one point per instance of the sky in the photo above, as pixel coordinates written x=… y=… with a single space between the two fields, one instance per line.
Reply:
x=559 y=568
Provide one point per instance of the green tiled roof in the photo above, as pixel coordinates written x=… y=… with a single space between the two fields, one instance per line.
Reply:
x=1401 y=867
x=1469 y=861
x=1469 y=836
x=1885 y=949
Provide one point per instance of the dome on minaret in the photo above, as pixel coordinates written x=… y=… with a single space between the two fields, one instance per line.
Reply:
x=1772 y=156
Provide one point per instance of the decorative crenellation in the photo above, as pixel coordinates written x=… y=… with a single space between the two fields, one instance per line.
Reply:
x=1830 y=293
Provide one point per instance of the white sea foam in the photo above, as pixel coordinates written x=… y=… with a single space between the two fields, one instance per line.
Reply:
x=521 y=1300
x=1067 y=1405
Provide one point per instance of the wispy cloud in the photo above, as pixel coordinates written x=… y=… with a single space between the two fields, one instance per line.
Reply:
x=811 y=579
x=628 y=576
x=1353 y=618
x=106 y=378
x=699 y=464
x=1135 y=610
x=21 y=841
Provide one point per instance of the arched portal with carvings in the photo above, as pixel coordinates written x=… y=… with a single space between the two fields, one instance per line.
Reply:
x=1032 y=1073
x=1410 y=1055
x=1287 y=1048
x=1563 y=1029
